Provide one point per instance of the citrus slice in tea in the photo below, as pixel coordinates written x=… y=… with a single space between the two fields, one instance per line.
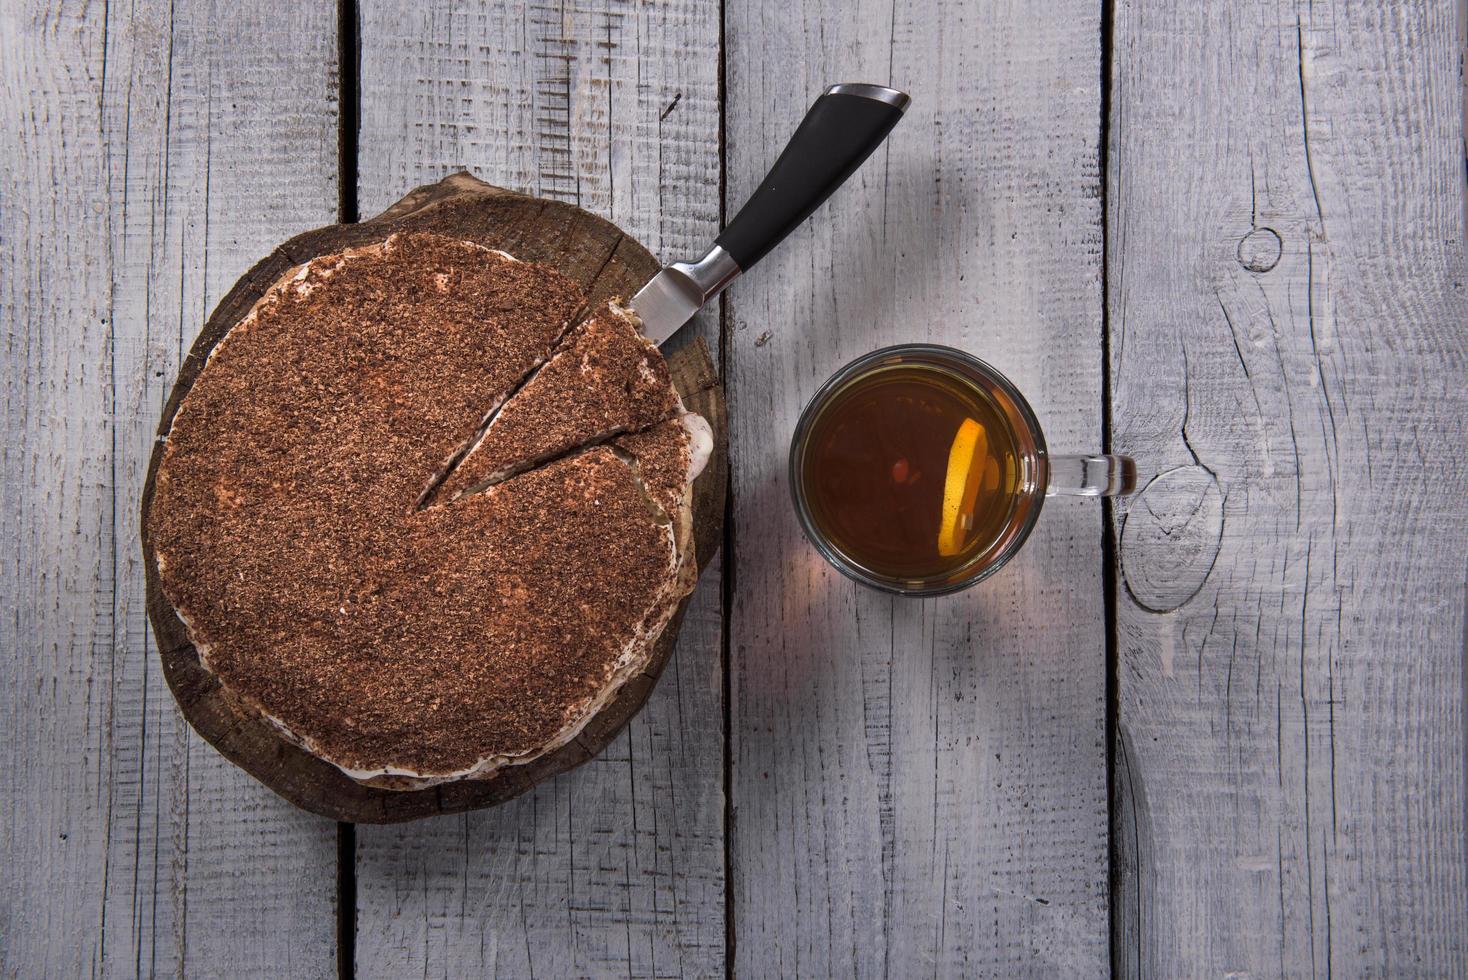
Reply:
x=967 y=459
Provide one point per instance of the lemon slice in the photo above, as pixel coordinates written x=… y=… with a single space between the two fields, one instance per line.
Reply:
x=961 y=485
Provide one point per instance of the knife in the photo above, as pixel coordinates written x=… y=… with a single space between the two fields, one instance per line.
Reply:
x=839 y=132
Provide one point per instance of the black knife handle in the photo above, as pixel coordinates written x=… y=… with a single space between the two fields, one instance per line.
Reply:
x=840 y=131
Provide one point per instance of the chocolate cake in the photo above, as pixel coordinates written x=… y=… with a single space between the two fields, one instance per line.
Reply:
x=604 y=379
x=410 y=643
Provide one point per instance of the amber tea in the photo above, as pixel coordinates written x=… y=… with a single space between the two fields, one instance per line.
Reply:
x=921 y=470
x=911 y=470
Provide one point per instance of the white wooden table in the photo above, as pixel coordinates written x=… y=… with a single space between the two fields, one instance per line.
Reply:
x=1217 y=730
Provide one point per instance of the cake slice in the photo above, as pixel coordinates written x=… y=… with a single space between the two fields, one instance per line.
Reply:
x=604 y=379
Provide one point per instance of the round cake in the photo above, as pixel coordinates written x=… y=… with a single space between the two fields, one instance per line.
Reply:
x=424 y=511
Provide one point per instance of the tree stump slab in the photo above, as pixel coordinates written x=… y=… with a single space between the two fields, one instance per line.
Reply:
x=605 y=262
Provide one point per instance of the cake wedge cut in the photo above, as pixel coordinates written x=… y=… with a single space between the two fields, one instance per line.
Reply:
x=604 y=379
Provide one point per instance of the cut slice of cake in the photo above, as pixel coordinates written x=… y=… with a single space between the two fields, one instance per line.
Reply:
x=604 y=379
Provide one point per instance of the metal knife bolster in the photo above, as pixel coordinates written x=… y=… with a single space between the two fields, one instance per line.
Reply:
x=839 y=131
x=680 y=290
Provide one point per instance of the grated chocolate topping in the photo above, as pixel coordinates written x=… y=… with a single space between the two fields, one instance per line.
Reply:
x=286 y=535
x=605 y=378
x=662 y=454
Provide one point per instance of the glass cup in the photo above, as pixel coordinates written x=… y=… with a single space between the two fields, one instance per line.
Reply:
x=1039 y=474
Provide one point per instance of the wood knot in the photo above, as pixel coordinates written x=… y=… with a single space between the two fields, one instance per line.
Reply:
x=1260 y=249
x=1171 y=537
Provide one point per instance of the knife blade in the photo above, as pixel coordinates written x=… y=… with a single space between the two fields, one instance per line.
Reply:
x=840 y=130
x=674 y=295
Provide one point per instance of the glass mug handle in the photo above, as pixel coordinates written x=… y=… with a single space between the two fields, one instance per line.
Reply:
x=1091 y=476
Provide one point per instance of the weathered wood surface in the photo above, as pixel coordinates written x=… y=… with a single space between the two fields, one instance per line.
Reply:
x=919 y=787
x=151 y=153
x=1289 y=772
x=1288 y=315
x=617 y=868
x=604 y=262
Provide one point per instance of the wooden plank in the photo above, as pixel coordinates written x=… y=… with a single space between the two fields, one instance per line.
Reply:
x=919 y=786
x=1287 y=343
x=156 y=152
x=617 y=867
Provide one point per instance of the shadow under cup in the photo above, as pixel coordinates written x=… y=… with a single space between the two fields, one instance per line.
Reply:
x=1036 y=474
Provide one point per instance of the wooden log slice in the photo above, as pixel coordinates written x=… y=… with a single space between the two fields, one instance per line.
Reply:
x=605 y=262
